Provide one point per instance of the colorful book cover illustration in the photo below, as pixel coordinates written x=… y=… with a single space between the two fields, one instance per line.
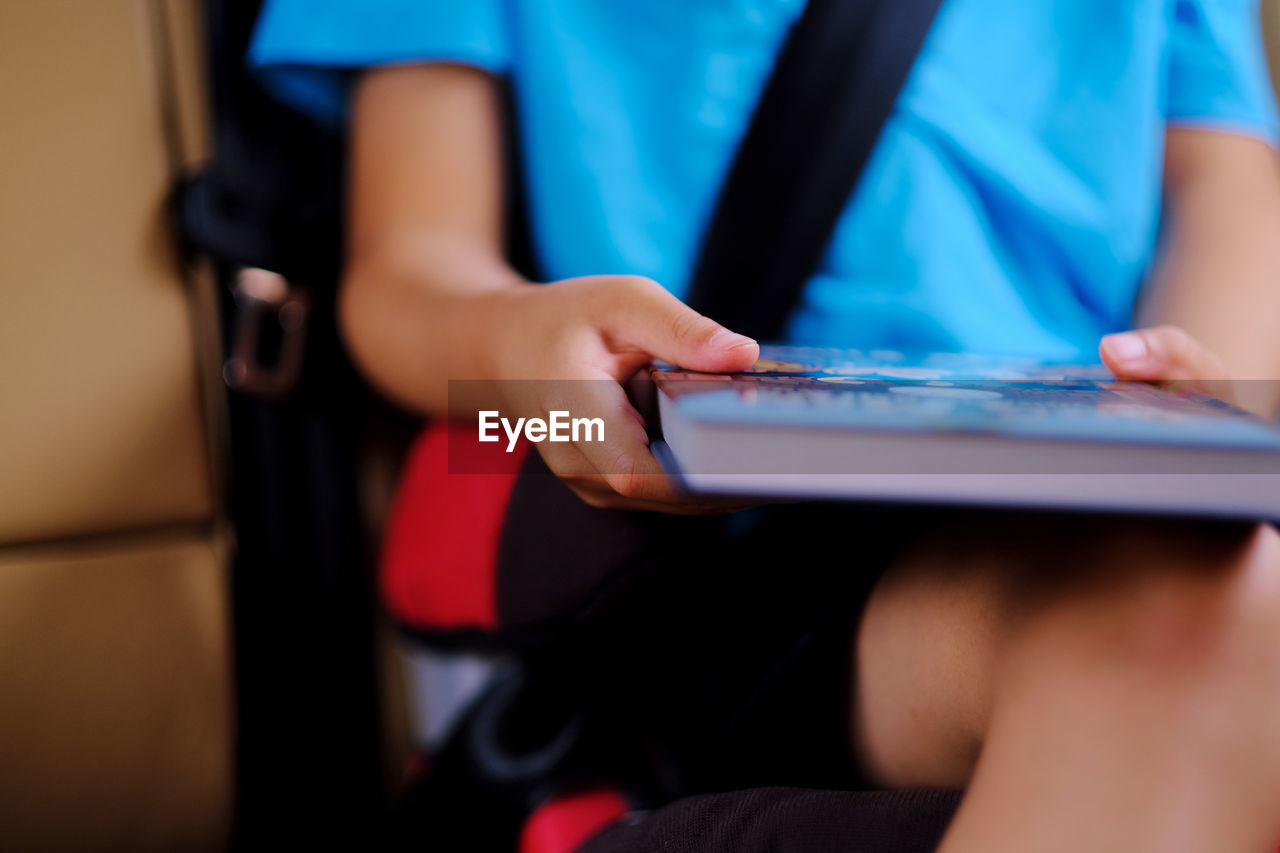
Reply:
x=949 y=392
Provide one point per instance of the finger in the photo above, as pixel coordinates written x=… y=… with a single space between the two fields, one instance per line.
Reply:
x=628 y=466
x=623 y=458
x=598 y=495
x=1164 y=353
x=661 y=325
x=613 y=458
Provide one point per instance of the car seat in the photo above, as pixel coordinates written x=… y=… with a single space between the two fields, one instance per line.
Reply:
x=271 y=199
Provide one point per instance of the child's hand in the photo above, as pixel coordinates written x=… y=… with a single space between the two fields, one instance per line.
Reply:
x=603 y=328
x=1168 y=355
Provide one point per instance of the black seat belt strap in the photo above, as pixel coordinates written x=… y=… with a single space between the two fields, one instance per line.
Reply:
x=832 y=90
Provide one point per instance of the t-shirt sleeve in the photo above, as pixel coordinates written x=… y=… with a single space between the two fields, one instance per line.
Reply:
x=1218 y=69
x=305 y=51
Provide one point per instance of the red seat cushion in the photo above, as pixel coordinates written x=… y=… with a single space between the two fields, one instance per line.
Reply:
x=440 y=552
x=567 y=822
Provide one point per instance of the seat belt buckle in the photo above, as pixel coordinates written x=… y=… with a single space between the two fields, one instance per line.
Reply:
x=269 y=341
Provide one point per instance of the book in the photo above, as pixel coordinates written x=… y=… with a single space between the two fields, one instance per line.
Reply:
x=949 y=428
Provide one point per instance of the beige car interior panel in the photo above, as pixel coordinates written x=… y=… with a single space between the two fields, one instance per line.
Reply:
x=115 y=683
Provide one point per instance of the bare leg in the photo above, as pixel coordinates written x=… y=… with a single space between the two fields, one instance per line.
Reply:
x=1097 y=685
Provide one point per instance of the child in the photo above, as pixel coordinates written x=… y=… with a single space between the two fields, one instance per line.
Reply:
x=1055 y=174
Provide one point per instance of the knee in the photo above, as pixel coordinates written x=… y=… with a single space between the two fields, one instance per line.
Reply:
x=1147 y=619
x=1175 y=629
x=1198 y=602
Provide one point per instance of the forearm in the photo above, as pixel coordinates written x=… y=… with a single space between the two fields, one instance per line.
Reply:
x=415 y=316
x=425 y=232
x=1218 y=273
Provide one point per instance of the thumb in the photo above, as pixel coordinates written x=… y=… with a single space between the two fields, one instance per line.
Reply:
x=1168 y=356
x=1163 y=353
x=666 y=328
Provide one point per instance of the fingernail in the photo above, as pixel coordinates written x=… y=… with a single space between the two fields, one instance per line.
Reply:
x=1126 y=347
x=725 y=339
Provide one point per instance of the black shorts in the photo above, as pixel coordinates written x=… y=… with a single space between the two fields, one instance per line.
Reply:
x=727 y=641
x=777 y=648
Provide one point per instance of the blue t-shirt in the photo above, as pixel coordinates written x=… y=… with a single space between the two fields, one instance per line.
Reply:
x=1012 y=204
